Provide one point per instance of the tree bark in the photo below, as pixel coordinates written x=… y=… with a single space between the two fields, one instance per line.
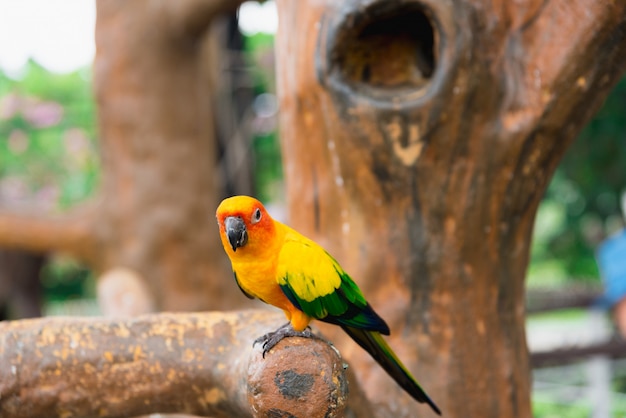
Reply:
x=418 y=139
x=154 y=214
x=201 y=364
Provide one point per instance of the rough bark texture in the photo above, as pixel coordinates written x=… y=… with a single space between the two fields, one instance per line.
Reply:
x=301 y=378
x=201 y=364
x=418 y=139
x=154 y=213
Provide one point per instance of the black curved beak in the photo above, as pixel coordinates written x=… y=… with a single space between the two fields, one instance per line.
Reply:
x=236 y=232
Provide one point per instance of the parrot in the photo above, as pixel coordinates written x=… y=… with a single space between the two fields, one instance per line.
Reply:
x=276 y=264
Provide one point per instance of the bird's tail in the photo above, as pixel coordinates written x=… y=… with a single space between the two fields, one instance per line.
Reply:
x=374 y=343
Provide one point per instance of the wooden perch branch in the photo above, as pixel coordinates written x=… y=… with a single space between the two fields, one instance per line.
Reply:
x=202 y=364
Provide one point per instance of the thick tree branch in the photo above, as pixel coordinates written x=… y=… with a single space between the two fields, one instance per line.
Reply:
x=70 y=232
x=201 y=364
x=587 y=51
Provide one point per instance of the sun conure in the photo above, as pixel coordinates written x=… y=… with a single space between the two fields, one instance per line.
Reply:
x=281 y=267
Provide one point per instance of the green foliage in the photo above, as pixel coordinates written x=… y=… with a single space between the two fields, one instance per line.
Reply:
x=581 y=206
x=47 y=138
x=268 y=169
x=259 y=50
x=64 y=279
x=544 y=408
x=268 y=174
x=619 y=385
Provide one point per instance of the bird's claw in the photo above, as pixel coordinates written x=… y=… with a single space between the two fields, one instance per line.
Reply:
x=269 y=340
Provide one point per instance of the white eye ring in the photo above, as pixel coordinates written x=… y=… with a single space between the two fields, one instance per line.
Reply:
x=256 y=216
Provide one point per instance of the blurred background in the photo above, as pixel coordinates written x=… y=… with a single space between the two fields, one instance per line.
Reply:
x=49 y=160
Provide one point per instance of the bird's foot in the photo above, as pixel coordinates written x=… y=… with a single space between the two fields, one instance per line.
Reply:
x=269 y=340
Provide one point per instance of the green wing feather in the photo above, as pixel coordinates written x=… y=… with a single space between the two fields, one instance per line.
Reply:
x=316 y=284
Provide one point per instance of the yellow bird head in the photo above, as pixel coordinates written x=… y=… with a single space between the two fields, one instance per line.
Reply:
x=244 y=224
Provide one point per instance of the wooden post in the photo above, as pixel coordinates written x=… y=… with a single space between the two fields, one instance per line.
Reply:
x=418 y=138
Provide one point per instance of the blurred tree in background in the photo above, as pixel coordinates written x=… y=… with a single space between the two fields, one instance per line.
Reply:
x=49 y=159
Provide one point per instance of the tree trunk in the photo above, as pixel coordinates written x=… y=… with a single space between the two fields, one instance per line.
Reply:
x=418 y=139
x=159 y=151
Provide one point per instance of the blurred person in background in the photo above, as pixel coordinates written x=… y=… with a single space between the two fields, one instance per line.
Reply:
x=612 y=262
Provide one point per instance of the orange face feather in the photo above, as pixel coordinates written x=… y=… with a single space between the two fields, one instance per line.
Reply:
x=258 y=223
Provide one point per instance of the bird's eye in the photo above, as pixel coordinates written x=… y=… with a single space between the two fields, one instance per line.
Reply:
x=256 y=216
